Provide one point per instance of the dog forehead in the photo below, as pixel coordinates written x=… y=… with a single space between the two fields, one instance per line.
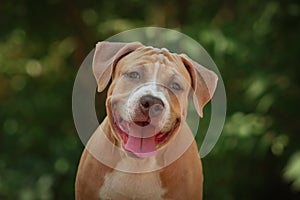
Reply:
x=149 y=56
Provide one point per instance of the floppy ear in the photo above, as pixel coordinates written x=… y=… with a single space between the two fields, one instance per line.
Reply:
x=106 y=55
x=204 y=83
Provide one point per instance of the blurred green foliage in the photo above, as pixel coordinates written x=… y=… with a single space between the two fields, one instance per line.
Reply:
x=254 y=43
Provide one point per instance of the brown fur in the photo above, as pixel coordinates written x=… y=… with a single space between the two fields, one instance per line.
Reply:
x=182 y=179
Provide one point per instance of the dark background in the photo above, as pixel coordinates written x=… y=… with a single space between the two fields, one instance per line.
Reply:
x=254 y=43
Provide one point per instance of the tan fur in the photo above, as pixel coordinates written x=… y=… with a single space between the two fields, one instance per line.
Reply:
x=180 y=179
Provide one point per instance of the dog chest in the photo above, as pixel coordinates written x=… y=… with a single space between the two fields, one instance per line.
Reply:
x=122 y=185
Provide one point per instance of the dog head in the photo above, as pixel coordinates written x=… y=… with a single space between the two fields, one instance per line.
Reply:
x=148 y=97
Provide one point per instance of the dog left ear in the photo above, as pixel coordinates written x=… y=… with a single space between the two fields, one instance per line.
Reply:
x=106 y=56
x=204 y=83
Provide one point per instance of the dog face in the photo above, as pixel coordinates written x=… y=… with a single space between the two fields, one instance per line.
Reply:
x=148 y=96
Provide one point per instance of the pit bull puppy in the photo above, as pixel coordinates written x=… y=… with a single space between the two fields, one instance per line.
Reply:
x=150 y=149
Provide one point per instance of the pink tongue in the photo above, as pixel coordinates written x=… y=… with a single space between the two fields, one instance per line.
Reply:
x=141 y=140
x=141 y=147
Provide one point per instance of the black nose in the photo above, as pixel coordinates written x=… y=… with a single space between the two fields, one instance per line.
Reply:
x=151 y=105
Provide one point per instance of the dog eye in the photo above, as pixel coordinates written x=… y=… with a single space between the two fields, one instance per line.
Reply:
x=176 y=86
x=133 y=75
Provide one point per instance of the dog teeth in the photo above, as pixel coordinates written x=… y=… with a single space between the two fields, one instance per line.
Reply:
x=160 y=135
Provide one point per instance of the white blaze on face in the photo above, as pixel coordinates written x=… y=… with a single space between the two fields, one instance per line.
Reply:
x=148 y=88
x=159 y=59
x=155 y=74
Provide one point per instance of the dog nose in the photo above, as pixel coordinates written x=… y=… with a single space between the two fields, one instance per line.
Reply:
x=151 y=106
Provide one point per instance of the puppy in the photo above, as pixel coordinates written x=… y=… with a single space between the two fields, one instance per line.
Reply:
x=144 y=148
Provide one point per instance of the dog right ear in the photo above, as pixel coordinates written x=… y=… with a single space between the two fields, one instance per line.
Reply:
x=106 y=56
x=204 y=83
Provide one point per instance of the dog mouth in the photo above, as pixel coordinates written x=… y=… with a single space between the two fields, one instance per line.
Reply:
x=142 y=138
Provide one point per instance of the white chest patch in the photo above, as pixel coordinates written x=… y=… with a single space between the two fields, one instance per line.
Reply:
x=129 y=186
